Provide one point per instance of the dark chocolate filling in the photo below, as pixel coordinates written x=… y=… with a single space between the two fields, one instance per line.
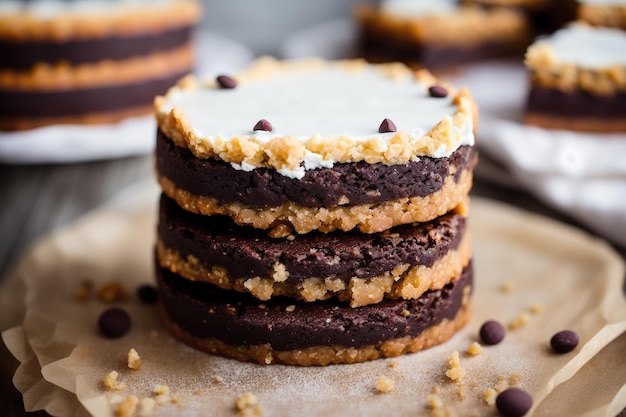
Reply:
x=60 y=103
x=206 y=311
x=380 y=48
x=248 y=252
x=578 y=103
x=360 y=182
x=23 y=55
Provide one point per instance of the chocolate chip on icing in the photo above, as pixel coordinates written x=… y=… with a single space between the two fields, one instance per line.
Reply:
x=225 y=81
x=492 y=332
x=513 y=402
x=263 y=125
x=147 y=294
x=564 y=341
x=114 y=322
x=437 y=91
x=387 y=126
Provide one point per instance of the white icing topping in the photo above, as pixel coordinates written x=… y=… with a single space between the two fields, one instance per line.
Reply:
x=418 y=7
x=586 y=46
x=327 y=102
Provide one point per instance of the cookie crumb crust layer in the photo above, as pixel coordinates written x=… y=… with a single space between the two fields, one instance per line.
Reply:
x=549 y=69
x=368 y=218
x=314 y=333
x=403 y=262
x=288 y=152
x=345 y=184
x=607 y=15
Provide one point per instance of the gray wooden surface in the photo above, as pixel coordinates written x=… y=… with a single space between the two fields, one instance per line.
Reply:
x=35 y=200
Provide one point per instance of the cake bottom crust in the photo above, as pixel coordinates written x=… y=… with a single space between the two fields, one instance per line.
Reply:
x=368 y=218
x=577 y=123
x=403 y=282
x=26 y=123
x=324 y=355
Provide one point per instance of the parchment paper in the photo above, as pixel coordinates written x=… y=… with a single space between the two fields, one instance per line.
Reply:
x=576 y=279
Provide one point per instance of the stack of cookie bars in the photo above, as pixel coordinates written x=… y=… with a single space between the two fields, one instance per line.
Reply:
x=314 y=212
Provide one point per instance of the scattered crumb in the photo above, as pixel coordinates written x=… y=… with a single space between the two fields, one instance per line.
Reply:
x=405 y=313
x=435 y=390
x=160 y=389
x=247 y=399
x=519 y=321
x=290 y=308
x=248 y=405
x=536 y=308
x=489 y=396
x=502 y=384
x=110 y=382
x=394 y=364
x=162 y=399
x=475 y=349
x=175 y=400
x=514 y=380
x=146 y=407
x=133 y=360
x=442 y=412
x=433 y=401
x=127 y=407
x=507 y=287
x=112 y=291
x=385 y=384
x=455 y=372
x=83 y=291
x=218 y=378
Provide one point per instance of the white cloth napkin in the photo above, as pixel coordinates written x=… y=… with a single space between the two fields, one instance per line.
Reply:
x=134 y=136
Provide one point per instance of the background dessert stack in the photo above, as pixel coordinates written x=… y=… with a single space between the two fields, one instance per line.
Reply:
x=87 y=62
x=314 y=212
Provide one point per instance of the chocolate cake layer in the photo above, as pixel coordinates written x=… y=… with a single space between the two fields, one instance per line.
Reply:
x=357 y=183
x=379 y=49
x=215 y=241
x=59 y=103
x=576 y=103
x=25 y=54
x=207 y=312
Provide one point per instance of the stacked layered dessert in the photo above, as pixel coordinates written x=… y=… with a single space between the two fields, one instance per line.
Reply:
x=85 y=62
x=314 y=212
x=578 y=79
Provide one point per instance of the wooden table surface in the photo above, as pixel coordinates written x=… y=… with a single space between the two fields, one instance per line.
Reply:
x=37 y=199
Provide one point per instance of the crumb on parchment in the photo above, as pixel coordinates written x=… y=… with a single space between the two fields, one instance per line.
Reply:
x=385 y=384
x=133 y=360
x=111 y=383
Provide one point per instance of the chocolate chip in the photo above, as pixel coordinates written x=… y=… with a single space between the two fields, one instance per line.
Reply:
x=147 y=294
x=226 y=82
x=263 y=125
x=564 y=341
x=492 y=332
x=387 y=126
x=114 y=322
x=437 y=91
x=513 y=402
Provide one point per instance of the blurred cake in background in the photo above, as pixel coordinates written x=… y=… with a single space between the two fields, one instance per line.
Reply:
x=87 y=62
x=544 y=15
x=610 y=13
x=439 y=33
x=578 y=80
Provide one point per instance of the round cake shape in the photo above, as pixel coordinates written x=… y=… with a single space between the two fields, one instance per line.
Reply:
x=284 y=331
x=360 y=269
x=327 y=123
